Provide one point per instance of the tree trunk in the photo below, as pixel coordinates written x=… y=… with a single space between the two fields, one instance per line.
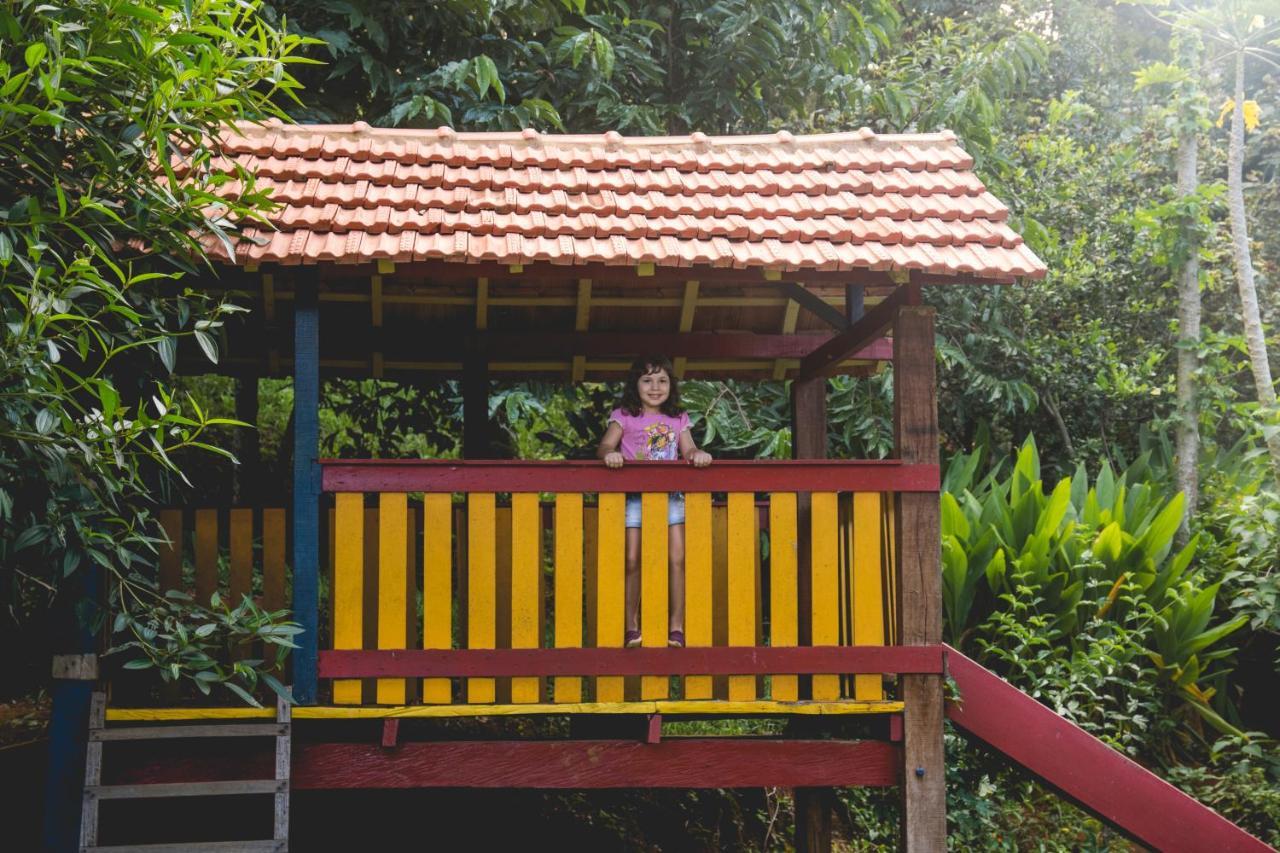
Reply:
x=1187 y=447
x=1253 y=333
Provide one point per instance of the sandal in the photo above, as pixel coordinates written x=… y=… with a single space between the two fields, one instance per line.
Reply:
x=675 y=639
x=631 y=639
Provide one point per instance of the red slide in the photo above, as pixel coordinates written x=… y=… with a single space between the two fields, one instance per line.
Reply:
x=1117 y=790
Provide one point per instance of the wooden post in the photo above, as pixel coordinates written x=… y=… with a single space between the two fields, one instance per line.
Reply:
x=475 y=404
x=244 y=487
x=306 y=484
x=808 y=441
x=915 y=416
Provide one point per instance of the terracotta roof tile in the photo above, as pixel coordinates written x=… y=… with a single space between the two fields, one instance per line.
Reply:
x=350 y=193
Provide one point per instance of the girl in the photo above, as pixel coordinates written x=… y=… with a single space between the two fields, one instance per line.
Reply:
x=650 y=424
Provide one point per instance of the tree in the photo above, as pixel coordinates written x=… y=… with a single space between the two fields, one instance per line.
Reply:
x=110 y=113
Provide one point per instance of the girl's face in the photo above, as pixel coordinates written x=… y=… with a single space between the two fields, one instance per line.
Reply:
x=654 y=389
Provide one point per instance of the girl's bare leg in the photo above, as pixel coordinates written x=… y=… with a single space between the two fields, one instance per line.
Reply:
x=675 y=577
x=632 y=580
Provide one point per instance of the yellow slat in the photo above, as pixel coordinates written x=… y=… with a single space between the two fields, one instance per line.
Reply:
x=890 y=567
x=610 y=571
x=273 y=559
x=742 y=586
x=437 y=587
x=697 y=585
x=526 y=568
x=206 y=554
x=568 y=587
x=868 y=590
x=241 y=554
x=653 y=585
x=171 y=554
x=720 y=590
x=392 y=555
x=783 y=586
x=826 y=604
x=348 y=586
x=481 y=580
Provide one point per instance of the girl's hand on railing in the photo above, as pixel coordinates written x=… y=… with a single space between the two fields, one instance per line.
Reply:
x=613 y=460
x=700 y=459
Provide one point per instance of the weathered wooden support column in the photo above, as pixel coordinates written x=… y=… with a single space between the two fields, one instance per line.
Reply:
x=306 y=483
x=476 y=443
x=915 y=416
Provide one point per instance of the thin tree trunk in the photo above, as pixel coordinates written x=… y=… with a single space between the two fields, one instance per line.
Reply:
x=1187 y=445
x=1253 y=333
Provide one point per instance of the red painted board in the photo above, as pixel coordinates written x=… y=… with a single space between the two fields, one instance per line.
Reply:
x=1119 y=791
x=449 y=475
x=672 y=763
x=722 y=660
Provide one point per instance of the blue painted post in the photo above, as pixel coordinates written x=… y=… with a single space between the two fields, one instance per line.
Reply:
x=306 y=484
x=69 y=724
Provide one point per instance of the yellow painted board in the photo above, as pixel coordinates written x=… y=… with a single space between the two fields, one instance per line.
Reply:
x=273 y=559
x=481 y=580
x=502 y=593
x=868 y=589
x=241 y=534
x=697 y=585
x=393 y=530
x=742 y=586
x=348 y=586
x=437 y=587
x=784 y=546
x=653 y=585
x=610 y=571
x=206 y=555
x=891 y=566
x=171 y=554
x=670 y=707
x=568 y=587
x=720 y=590
x=526 y=569
x=825 y=586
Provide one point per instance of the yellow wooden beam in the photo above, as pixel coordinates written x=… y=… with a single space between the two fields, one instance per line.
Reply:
x=386 y=267
x=581 y=323
x=482 y=303
x=789 y=318
x=687 y=307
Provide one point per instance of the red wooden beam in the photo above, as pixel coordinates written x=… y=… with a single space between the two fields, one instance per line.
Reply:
x=449 y=475
x=1102 y=780
x=825 y=360
x=671 y=763
x=721 y=660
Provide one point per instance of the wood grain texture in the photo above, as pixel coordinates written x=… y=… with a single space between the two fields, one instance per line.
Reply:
x=824 y=578
x=697 y=585
x=481 y=580
x=1093 y=774
x=568 y=586
x=348 y=585
x=653 y=584
x=241 y=562
x=273 y=549
x=526 y=571
x=610 y=573
x=206 y=554
x=868 y=594
x=437 y=587
x=393 y=534
x=783 y=554
x=742 y=585
x=919 y=583
x=683 y=763
x=171 y=553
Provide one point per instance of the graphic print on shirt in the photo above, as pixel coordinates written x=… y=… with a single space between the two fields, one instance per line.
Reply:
x=659 y=441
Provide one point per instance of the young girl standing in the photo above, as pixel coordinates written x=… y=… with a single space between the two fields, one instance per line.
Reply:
x=650 y=424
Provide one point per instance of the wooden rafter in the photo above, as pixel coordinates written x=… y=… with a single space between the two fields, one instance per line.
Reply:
x=688 y=306
x=581 y=323
x=789 y=317
x=814 y=304
x=825 y=360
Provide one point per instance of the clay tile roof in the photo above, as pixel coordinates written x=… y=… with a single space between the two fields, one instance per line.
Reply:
x=353 y=194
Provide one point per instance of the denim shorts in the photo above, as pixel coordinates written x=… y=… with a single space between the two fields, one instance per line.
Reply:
x=675 y=509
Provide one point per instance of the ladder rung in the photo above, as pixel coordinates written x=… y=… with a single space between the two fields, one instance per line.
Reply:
x=159 y=732
x=187 y=789
x=196 y=847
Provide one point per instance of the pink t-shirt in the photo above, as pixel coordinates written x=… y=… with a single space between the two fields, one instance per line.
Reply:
x=650 y=436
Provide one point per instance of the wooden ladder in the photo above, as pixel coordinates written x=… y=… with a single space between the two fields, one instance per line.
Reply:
x=95 y=791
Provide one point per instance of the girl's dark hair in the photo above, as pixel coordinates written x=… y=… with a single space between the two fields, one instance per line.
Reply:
x=631 y=390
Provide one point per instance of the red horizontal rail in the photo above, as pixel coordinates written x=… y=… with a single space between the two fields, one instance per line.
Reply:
x=721 y=660
x=1118 y=790
x=721 y=762
x=448 y=475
